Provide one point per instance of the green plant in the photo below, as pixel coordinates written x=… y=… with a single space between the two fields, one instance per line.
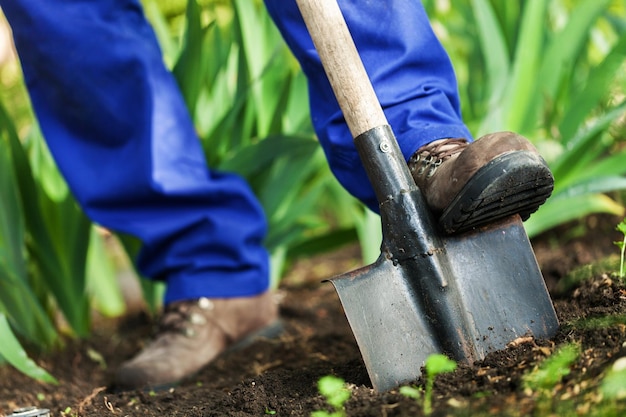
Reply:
x=12 y=351
x=436 y=364
x=544 y=377
x=613 y=385
x=67 y=412
x=551 y=370
x=336 y=394
x=44 y=246
x=622 y=246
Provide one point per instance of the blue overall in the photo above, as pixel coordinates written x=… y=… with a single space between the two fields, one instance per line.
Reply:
x=117 y=126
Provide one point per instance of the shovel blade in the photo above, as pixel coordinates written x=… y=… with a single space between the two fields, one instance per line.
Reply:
x=481 y=292
x=388 y=322
x=501 y=289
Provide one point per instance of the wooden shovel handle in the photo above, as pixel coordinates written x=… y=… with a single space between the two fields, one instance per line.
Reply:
x=343 y=65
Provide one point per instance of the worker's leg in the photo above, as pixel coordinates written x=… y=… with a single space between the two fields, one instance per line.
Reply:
x=410 y=71
x=466 y=183
x=118 y=128
x=117 y=125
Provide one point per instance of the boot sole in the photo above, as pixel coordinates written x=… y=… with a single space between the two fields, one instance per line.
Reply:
x=513 y=183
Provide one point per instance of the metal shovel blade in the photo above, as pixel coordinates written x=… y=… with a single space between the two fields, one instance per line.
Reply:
x=464 y=295
x=492 y=292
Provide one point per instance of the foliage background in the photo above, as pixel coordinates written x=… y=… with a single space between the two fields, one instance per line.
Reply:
x=551 y=70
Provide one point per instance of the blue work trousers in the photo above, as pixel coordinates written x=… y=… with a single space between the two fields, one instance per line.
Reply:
x=117 y=126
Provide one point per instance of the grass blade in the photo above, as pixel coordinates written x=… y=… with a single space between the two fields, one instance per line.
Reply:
x=249 y=161
x=102 y=284
x=190 y=68
x=592 y=185
x=57 y=239
x=528 y=50
x=561 y=54
x=580 y=144
x=22 y=307
x=597 y=88
x=493 y=45
x=558 y=211
x=16 y=297
x=13 y=352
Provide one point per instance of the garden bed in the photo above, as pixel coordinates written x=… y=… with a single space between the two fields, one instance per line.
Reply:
x=279 y=377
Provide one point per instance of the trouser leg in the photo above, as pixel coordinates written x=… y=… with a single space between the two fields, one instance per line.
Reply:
x=117 y=126
x=409 y=69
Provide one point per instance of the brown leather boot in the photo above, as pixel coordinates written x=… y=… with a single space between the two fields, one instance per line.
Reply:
x=472 y=184
x=193 y=333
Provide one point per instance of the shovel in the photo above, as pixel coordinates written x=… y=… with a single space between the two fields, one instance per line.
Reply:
x=462 y=295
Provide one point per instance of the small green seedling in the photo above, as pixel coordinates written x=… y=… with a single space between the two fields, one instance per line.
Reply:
x=544 y=378
x=622 y=246
x=436 y=364
x=552 y=370
x=68 y=412
x=336 y=394
x=614 y=383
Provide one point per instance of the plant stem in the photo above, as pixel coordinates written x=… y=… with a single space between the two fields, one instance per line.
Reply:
x=428 y=395
x=622 y=245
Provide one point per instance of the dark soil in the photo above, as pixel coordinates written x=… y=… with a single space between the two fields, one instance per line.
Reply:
x=278 y=377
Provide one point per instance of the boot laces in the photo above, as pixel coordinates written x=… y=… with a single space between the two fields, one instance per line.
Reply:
x=429 y=157
x=181 y=317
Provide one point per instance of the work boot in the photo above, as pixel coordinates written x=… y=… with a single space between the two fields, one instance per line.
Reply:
x=472 y=184
x=193 y=333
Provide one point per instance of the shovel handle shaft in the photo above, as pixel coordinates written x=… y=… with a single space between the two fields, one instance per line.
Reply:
x=343 y=65
x=377 y=147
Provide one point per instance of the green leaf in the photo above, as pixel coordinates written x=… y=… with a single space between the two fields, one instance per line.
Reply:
x=296 y=117
x=324 y=243
x=334 y=390
x=592 y=185
x=102 y=282
x=609 y=165
x=621 y=227
x=528 y=54
x=44 y=167
x=438 y=364
x=162 y=30
x=63 y=259
x=580 y=145
x=614 y=383
x=411 y=392
x=561 y=54
x=493 y=45
x=598 y=86
x=11 y=219
x=13 y=352
x=190 y=68
x=17 y=298
x=369 y=229
x=260 y=41
x=552 y=369
x=252 y=159
x=558 y=211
